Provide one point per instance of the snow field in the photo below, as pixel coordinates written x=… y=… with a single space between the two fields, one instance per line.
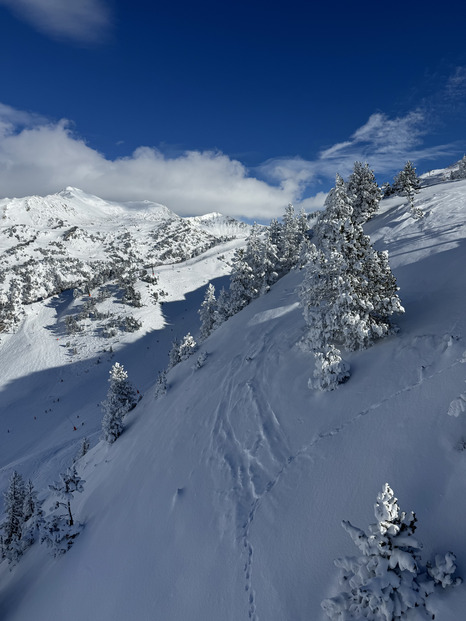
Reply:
x=224 y=498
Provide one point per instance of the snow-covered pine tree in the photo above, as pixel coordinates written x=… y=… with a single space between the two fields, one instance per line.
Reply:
x=187 y=346
x=59 y=531
x=383 y=289
x=207 y=312
x=244 y=280
x=348 y=293
x=274 y=232
x=460 y=172
x=319 y=293
x=388 y=580
x=407 y=183
x=223 y=310
x=161 y=384
x=30 y=500
x=364 y=192
x=387 y=189
x=330 y=369
x=33 y=514
x=130 y=295
x=271 y=261
x=84 y=446
x=174 y=354
x=70 y=482
x=201 y=360
x=322 y=290
x=12 y=527
x=72 y=325
x=291 y=238
x=121 y=398
x=254 y=268
x=324 y=225
x=11 y=304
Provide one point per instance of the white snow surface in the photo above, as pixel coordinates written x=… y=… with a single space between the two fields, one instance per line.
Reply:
x=223 y=499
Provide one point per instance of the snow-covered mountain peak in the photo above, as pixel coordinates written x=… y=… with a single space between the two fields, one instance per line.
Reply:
x=73 y=206
x=219 y=224
x=72 y=192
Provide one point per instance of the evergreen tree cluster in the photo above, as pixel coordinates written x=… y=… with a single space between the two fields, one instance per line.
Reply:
x=406 y=183
x=388 y=579
x=269 y=254
x=460 y=172
x=25 y=521
x=348 y=293
x=181 y=350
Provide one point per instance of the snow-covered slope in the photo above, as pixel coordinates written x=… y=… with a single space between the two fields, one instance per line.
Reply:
x=223 y=499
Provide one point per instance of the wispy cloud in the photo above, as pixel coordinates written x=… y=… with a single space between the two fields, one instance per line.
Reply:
x=41 y=157
x=456 y=84
x=12 y=120
x=82 y=21
x=386 y=143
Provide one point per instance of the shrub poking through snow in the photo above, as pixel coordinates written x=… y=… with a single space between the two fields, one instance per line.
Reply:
x=388 y=580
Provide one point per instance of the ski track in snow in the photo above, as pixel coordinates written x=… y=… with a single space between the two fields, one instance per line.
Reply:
x=255 y=470
x=253 y=463
x=447 y=340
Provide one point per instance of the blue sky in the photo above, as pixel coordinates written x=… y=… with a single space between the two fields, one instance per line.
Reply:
x=235 y=107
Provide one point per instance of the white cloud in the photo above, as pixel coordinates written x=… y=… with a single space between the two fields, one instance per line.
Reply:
x=381 y=138
x=39 y=157
x=313 y=203
x=12 y=119
x=457 y=80
x=83 y=21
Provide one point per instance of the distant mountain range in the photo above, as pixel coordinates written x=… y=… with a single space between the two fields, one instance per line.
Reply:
x=73 y=239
